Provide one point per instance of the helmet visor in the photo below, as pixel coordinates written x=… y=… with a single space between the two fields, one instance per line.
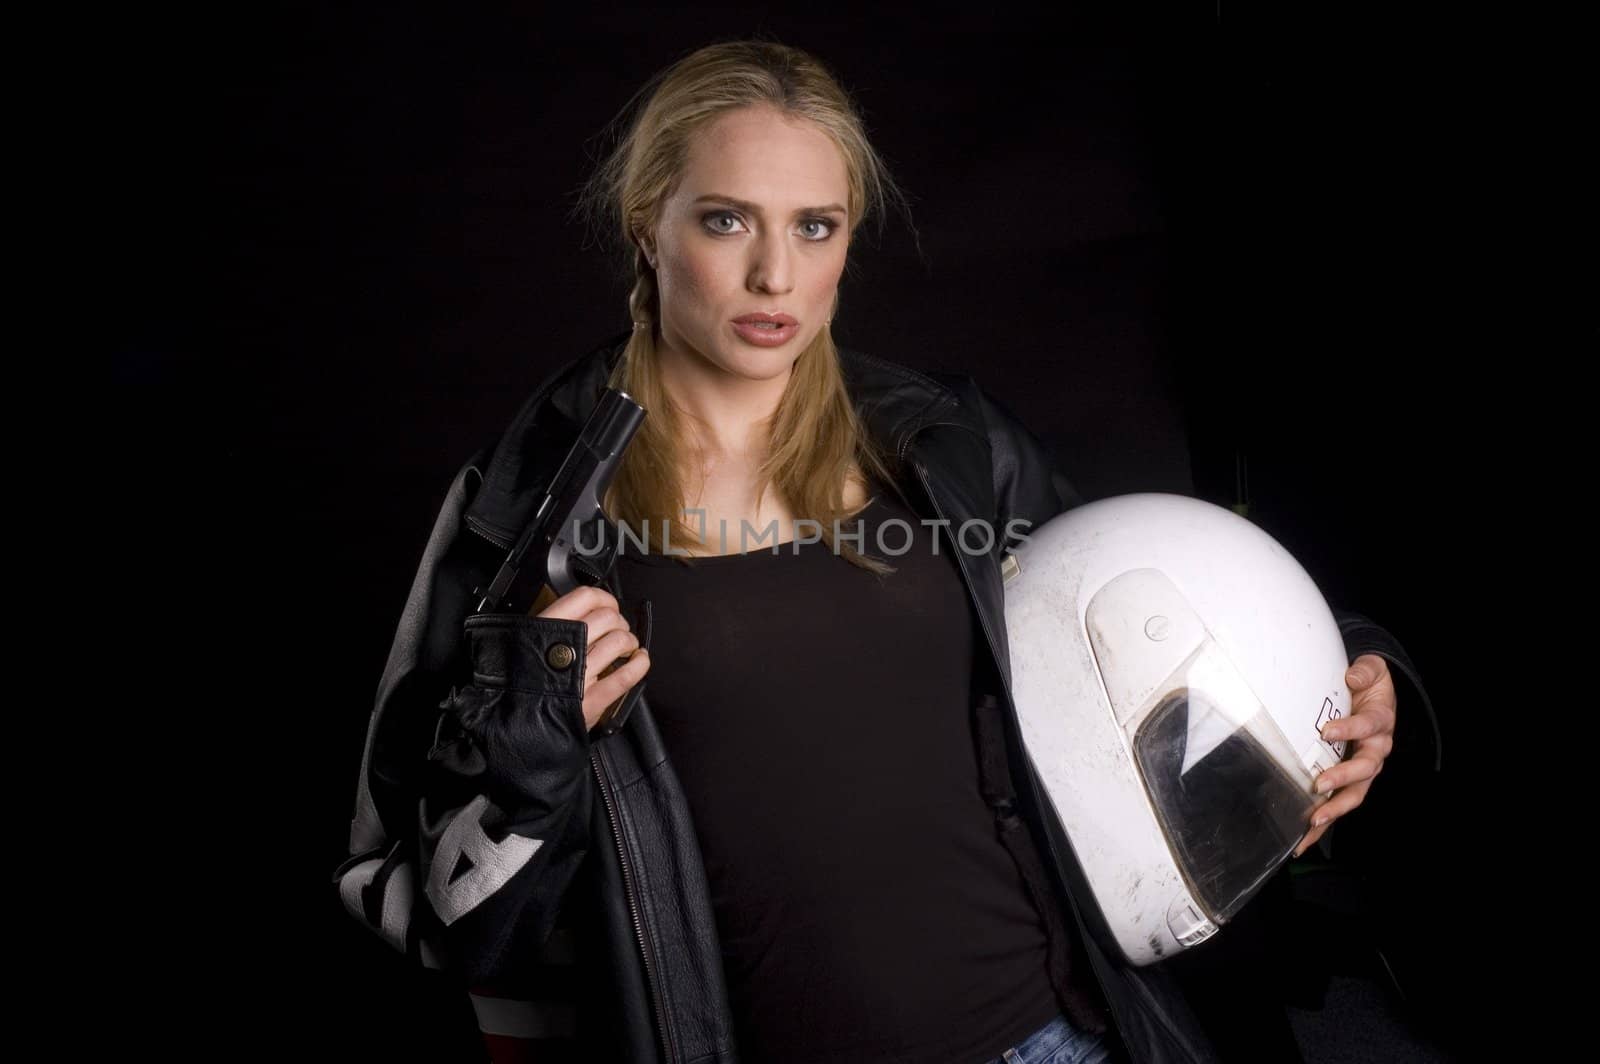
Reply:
x=1230 y=810
x=1226 y=787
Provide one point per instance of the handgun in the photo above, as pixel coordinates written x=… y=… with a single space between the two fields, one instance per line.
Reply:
x=570 y=542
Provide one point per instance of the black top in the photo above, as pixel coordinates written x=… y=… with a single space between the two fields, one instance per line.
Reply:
x=818 y=717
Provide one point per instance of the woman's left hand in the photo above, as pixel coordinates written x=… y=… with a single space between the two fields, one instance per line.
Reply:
x=1370 y=726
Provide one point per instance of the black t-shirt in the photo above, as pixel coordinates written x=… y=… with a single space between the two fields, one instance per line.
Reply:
x=818 y=717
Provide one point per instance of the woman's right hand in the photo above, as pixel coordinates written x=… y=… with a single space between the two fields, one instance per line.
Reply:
x=610 y=637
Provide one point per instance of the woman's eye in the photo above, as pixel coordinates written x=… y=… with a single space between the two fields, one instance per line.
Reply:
x=714 y=222
x=822 y=228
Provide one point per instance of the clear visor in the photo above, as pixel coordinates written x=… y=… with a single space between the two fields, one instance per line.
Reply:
x=1225 y=784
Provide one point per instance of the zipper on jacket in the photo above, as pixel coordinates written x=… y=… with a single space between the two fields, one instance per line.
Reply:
x=1011 y=710
x=658 y=1011
x=475 y=529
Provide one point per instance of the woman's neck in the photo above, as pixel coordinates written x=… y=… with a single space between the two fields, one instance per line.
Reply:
x=729 y=415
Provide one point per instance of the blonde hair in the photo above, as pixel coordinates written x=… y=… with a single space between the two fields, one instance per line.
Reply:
x=817 y=441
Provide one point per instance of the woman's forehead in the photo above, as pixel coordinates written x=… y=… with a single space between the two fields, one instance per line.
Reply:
x=777 y=162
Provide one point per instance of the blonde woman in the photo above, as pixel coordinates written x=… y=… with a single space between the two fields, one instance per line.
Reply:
x=802 y=843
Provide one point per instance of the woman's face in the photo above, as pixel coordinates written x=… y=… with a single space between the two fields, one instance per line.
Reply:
x=757 y=226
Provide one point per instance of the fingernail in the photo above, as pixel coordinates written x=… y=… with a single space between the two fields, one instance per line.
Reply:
x=1319 y=821
x=1324 y=786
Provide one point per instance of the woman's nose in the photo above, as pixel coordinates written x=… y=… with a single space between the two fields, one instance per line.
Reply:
x=771 y=268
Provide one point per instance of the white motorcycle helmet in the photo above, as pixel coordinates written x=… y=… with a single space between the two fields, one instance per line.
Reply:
x=1172 y=667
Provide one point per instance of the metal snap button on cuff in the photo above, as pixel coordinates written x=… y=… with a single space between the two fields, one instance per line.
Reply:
x=560 y=655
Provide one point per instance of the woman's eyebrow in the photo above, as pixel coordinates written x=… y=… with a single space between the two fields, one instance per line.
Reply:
x=746 y=205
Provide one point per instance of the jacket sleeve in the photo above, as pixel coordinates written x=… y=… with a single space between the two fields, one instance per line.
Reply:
x=472 y=799
x=1029 y=486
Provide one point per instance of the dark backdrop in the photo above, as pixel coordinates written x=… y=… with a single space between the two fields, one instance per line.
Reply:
x=1210 y=252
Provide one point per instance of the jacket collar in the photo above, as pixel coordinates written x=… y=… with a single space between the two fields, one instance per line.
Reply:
x=894 y=402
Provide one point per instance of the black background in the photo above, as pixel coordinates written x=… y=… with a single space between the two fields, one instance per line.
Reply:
x=1214 y=239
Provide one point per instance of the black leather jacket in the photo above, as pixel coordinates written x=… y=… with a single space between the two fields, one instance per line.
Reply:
x=584 y=885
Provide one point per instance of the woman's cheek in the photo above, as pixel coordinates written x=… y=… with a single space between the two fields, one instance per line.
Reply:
x=828 y=281
x=697 y=283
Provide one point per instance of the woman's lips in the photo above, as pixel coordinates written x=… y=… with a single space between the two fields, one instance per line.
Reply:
x=765 y=334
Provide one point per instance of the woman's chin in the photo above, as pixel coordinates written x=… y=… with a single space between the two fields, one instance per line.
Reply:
x=756 y=363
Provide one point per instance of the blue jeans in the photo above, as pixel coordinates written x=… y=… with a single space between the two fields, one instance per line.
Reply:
x=1057 y=1042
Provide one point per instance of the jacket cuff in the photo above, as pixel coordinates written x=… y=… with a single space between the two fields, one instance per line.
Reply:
x=540 y=655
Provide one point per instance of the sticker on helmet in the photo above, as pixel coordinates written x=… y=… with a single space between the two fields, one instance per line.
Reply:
x=1330 y=712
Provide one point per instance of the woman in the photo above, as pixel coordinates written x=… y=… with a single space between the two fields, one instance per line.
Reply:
x=837 y=861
